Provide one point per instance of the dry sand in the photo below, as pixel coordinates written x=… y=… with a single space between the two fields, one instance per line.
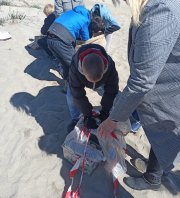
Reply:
x=34 y=115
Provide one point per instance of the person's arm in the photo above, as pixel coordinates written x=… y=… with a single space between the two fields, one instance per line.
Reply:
x=153 y=43
x=58 y=6
x=108 y=38
x=91 y=40
x=80 y=42
x=111 y=24
x=78 y=92
x=47 y=23
x=98 y=34
x=111 y=89
x=84 y=33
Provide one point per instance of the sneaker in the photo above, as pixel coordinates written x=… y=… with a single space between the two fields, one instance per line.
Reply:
x=135 y=126
x=141 y=183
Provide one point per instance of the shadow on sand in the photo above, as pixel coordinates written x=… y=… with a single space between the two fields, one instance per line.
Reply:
x=49 y=108
x=41 y=67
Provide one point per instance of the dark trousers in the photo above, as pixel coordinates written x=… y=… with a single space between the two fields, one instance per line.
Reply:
x=154 y=171
x=63 y=52
x=43 y=44
x=153 y=165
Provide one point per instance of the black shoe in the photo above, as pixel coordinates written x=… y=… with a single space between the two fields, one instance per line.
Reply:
x=141 y=183
x=71 y=125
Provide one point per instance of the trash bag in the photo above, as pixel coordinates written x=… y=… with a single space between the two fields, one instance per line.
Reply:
x=111 y=150
x=114 y=150
x=75 y=145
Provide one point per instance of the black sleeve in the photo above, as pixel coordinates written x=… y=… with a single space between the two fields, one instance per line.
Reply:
x=111 y=89
x=47 y=23
x=78 y=92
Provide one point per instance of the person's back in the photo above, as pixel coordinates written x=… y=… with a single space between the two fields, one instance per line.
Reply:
x=110 y=23
x=74 y=22
x=91 y=67
x=64 y=32
x=65 y=5
x=50 y=17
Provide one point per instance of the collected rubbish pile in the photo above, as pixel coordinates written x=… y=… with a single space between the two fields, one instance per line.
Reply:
x=85 y=150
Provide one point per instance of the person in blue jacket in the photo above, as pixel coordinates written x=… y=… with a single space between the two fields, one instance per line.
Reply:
x=110 y=23
x=64 y=32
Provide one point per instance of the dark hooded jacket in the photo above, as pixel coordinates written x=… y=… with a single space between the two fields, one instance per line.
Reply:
x=47 y=23
x=78 y=82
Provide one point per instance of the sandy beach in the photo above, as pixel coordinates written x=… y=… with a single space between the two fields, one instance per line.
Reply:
x=34 y=115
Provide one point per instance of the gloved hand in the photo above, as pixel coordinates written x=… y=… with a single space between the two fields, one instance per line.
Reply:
x=103 y=115
x=90 y=122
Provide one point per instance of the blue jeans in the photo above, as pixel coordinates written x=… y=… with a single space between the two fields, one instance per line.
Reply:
x=74 y=112
x=135 y=122
x=135 y=115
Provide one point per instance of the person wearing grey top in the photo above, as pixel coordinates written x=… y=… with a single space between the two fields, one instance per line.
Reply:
x=65 y=5
x=153 y=87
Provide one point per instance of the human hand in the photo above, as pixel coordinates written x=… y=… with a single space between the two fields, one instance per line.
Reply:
x=90 y=122
x=105 y=128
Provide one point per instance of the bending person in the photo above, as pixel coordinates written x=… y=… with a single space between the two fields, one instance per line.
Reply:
x=50 y=17
x=110 y=23
x=64 y=32
x=91 y=67
x=153 y=85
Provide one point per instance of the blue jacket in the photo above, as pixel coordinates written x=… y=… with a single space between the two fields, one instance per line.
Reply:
x=111 y=25
x=76 y=21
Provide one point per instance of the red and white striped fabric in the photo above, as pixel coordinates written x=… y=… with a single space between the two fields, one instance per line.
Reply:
x=73 y=171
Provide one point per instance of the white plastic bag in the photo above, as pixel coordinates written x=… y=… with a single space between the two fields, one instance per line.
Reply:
x=80 y=152
x=74 y=146
x=114 y=150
